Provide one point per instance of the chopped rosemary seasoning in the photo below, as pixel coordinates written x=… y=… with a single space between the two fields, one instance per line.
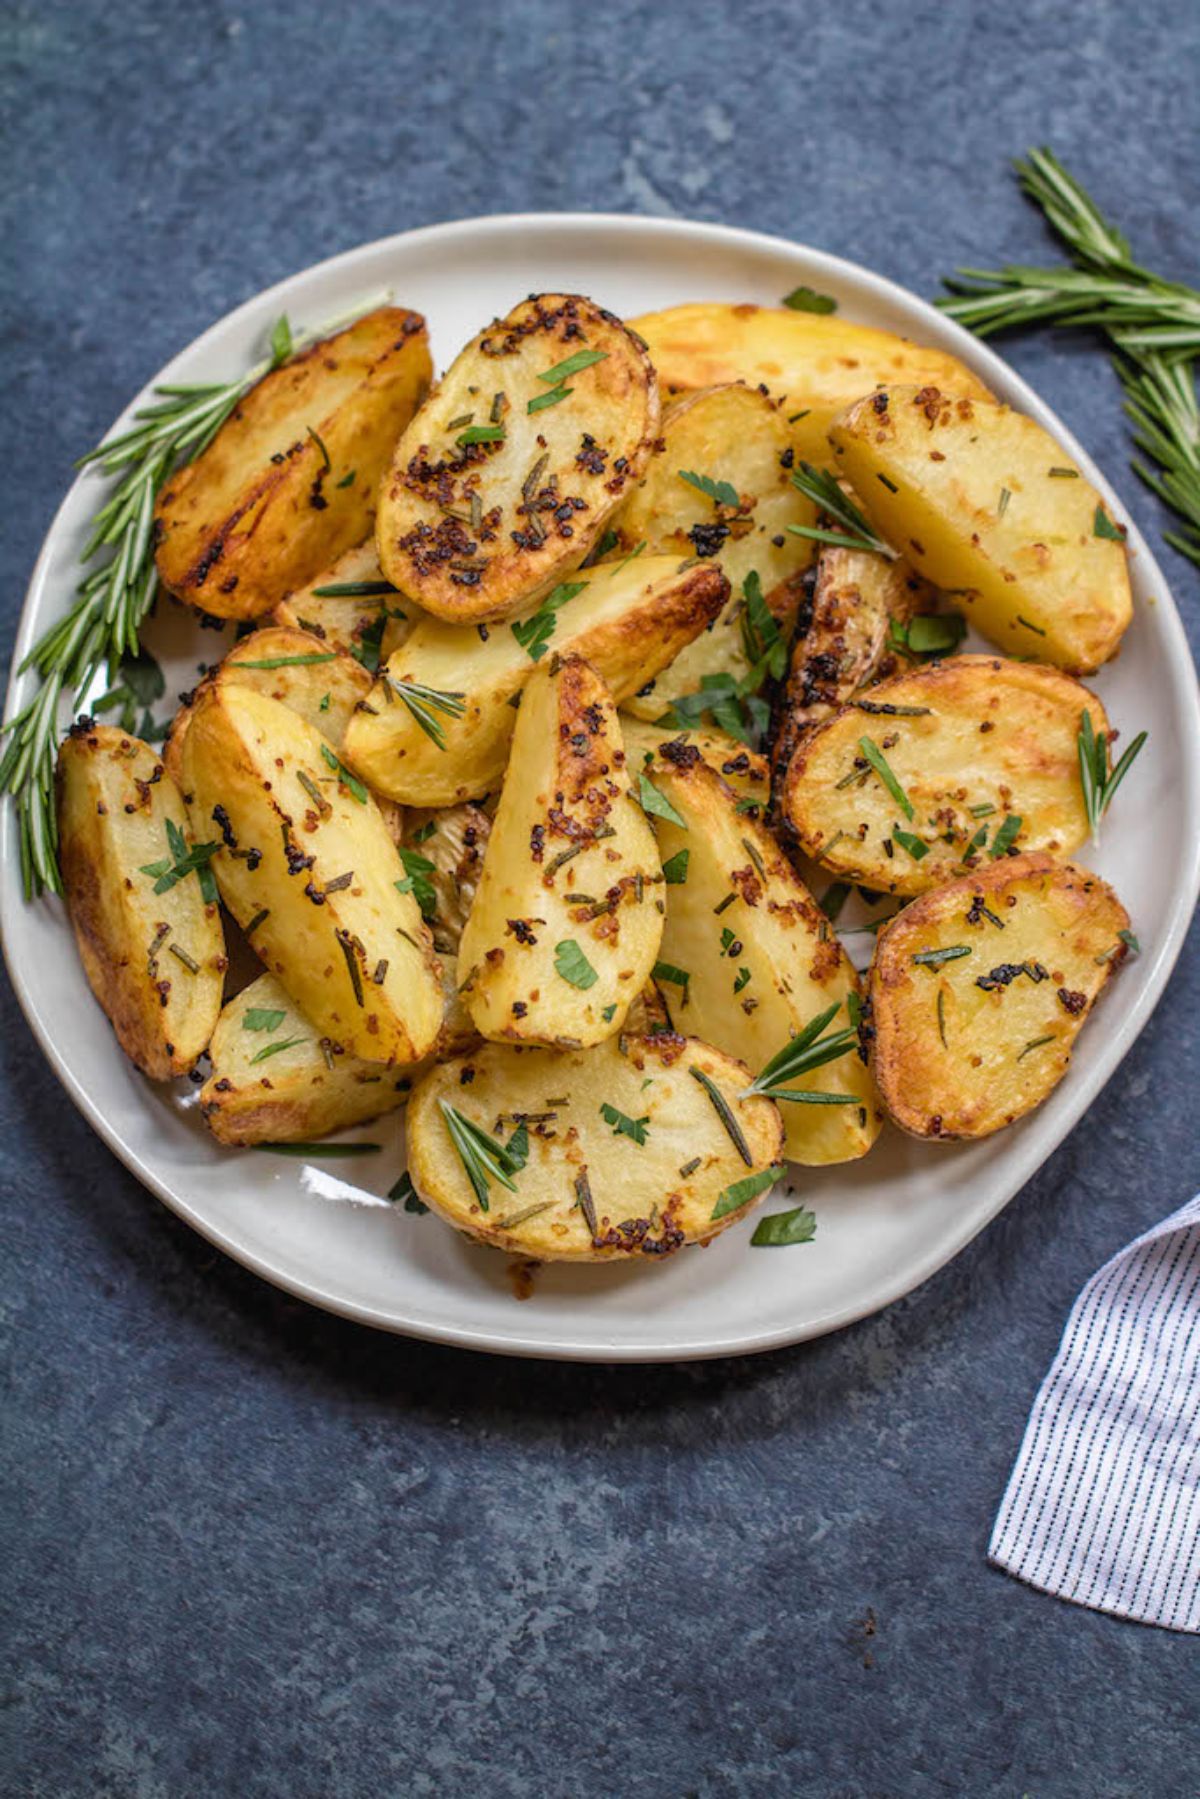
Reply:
x=879 y=762
x=916 y=849
x=725 y=1113
x=353 y=590
x=480 y=434
x=319 y=1149
x=273 y=1049
x=1002 y=502
x=288 y=661
x=339 y=882
x=540 y=402
x=1035 y=1043
x=585 y=1202
x=181 y=955
x=1036 y=629
x=941 y=1016
x=349 y=947
x=582 y=359
x=350 y=781
x=933 y=958
x=257 y=920
x=314 y=793
x=1006 y=834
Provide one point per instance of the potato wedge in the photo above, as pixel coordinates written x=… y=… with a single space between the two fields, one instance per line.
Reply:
x=982 y=500
x=479 y=515
x=353 y=607
x=442 y=851
x=978 y=990
x=815 y=363
x=739 y=767
x=748 y=959
x=154 y=960
x=318 y=683
x=289 y=482
x=628 y=619
x=626 y=1155
x=568 y=914
x=310 y=873
x=974 y=743
x=274 y=1081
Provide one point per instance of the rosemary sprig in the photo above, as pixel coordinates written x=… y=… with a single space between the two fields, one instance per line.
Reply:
x=116 y=594
x=483 y=1159
x=821 y=487
x=800 y=1055
x=1152 y=324
x=1098 y=779
x=424 y=702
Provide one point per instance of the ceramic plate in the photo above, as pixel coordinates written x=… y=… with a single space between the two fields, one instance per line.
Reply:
x=323 y=1231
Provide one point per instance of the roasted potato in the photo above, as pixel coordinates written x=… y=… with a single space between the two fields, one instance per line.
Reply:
x=442 y=851
x=289 y=482
x=293 y=667
x=626 y=1151
x=353 y=607
x=741 y=768
x=978 y=990
x=505 y=478
x=309 y=871
x=150 y=944
x=940 y=769
x=628 y=619
x=568 y=913
x=816 y=364
x=981 y=500
x=748 y=959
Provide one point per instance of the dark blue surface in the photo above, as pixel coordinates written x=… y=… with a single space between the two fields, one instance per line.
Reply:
x=256 y=1551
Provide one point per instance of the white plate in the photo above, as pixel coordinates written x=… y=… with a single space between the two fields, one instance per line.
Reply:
x=885 y=1224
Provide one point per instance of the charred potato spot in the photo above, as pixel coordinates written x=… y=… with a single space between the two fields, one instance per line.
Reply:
x=588 y=1192
x=741 y=768
x=504 y=480
x=967 y=490
x=978 y=990
x=270 y=501
x=972 y=742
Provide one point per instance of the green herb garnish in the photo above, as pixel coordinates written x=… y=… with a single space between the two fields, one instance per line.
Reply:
x=882 y=767
x=807 y=299
x=719 y=492
x=483 y=1159
x=424 y=702
x=740 y=1193
x=675 y=868
x=574 y=967
x=417 y=869
x=319 y=1149
x=480 y=434
x=724 y=1111
x=534 y=633
x=404 y=1190
x=807 y=1050
x=933 y=958
x=667 y=971
x=623 y=1125
x=273 y=1049
x=1102 y=526
x=286 y=661
x=353 y=590
x=916 y=849
x=582 y=359
x=856 y=534
x=350 y=781
x=540 y=402
x=182 y=862
x=778 y=1230
x=657 y=803
x=1099 y=781
x=262 y=1018
x=1006 y=834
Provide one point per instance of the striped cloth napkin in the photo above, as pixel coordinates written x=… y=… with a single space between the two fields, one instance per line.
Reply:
x=1103 y=1506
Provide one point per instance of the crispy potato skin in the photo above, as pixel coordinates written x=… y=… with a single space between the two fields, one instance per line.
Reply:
x=953 y=1059
x=989 y=732
x=544 y=492
x=1030 y=571
x=628 y=621
x=351 y=622
x=356 y=958
x=841 y=641
x=261 y=511
x=566 y=795
x=807 y=360
x=741 y=768
x=114 y=799
x=644 y=1207
x=761 y=958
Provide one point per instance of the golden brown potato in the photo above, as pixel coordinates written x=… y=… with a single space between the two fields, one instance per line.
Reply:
x=816 y=364
x=741 y=768
x=628 y=619
x=978 y=990
x=568 y=914
x=442 y=850
x=353 y=607
x=300 y=671
x=983 y=756
x=505 y=478
x=150 y=943
x=748 y=960
x=289 y=482
x=626 y=1153
x=983 y=501
x=310 y=873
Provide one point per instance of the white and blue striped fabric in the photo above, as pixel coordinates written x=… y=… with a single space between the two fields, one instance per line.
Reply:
x=1103 y=1507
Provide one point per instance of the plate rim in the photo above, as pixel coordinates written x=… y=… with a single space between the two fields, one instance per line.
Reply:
x=1028 y=1153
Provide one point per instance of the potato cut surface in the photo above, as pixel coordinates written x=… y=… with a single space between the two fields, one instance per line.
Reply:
x=289 y=482
x=621 y=1148
x=309 y=871
x=813 y=363
x=627 y=618
x=503 y=481
x=353 y=607
x=748 y=959
x=154 y=960
x=568 y=913
x=978 y=990
x=982 y=500
x=941 y=768
x=740 y=767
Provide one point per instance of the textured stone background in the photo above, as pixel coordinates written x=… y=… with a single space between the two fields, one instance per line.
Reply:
x=256 y=1551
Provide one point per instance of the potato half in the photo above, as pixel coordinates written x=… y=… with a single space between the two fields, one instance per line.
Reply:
x=982 y=500
x=978 y=990
x=628 y=619
x=310 y=873
x=505 y=478
x=289 y=482
x=741 y=768
x=815 y=363
x=568 y=914
x=353 y=607
x=154 y=960
x=983 y=753
x=627 y=1154
x=748 y=959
